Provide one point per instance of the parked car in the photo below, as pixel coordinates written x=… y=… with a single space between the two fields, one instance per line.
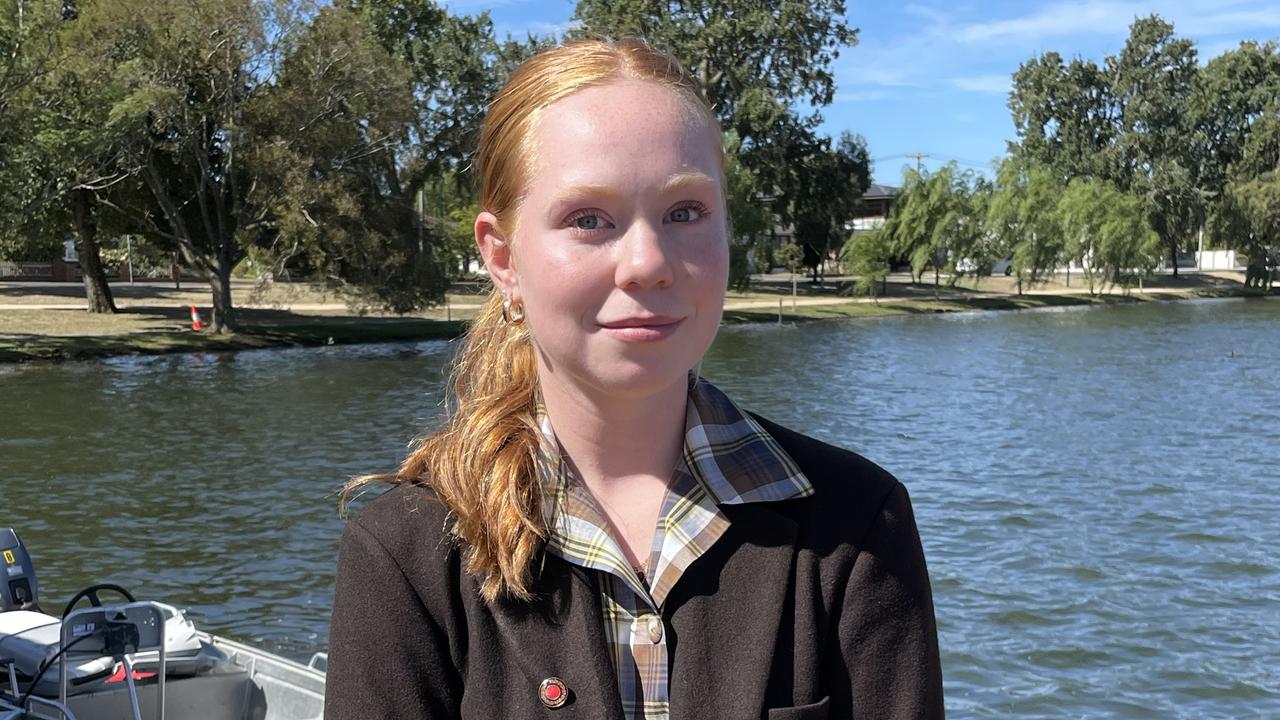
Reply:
x=1000 y=267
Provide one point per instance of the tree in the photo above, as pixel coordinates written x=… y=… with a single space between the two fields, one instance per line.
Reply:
x=866 y=255
x=60 y=156
x=189 y=76
x=933 y=221
x=1238 y=115
x=974 y=250
x=829 y=188
x=26 y=51
x=1023 y=217
x=1128 y=247
x=455 y=65
x=749 y=218
x=1249 y=218
x=792 y=258
x=1107 y=232
x=755 y=59
x=1261 y=154
x=908 y=227
x=1064 y=115
x=1153 y=81
x=1236 y=105
x=1130 y=122
x=344 y=111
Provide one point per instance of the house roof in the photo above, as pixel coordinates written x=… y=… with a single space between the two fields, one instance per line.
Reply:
x=881 y=192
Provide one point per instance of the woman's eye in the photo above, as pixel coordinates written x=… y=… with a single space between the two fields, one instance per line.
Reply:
x=685 y=214
x=586 y=221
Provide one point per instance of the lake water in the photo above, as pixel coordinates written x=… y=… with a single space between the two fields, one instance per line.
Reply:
x=1096 y=488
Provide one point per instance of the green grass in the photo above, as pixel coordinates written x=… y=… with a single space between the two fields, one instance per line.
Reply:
x=27 y=347
x=898 y=306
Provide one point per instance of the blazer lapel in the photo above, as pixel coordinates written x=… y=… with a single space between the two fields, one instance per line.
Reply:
x=559 y=636
x=726 y=614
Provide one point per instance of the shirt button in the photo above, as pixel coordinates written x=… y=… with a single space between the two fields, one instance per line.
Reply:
x=655 y=629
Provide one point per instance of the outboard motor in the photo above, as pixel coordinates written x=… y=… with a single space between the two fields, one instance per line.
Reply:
x=18 y=589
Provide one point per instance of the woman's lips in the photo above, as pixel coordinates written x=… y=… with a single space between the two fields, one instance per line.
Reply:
x=642 y=329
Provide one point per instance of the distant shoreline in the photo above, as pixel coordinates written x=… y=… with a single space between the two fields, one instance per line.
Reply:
x=36 y=327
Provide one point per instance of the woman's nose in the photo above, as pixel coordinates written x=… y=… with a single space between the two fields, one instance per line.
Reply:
x=643 y=259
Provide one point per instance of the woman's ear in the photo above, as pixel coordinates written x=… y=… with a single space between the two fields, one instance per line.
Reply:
x=496 y=251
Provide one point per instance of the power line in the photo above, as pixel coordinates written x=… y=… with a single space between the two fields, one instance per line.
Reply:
x=918 y=156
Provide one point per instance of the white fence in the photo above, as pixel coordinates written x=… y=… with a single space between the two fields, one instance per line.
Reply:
x=1216 y=260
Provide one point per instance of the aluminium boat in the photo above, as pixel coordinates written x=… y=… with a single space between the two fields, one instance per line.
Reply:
x=133 y=660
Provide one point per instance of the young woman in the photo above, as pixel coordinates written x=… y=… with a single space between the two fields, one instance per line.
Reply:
x=596 y=532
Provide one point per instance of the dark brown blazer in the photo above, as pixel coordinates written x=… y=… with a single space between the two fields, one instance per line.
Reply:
x=804 y=609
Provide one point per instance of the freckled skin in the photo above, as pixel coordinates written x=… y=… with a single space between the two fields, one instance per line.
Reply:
x=629 y=246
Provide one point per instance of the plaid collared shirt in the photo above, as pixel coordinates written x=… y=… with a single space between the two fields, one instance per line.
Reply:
x=728 y=459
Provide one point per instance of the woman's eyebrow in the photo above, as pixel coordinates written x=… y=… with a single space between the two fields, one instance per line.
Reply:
x=681 y=181
x=576 y=193
x=678 y=181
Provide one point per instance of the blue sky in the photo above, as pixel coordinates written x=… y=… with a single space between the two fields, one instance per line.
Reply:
x=933 y=77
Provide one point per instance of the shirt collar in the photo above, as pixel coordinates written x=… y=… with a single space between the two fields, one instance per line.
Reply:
x=732 y=456
x=725 y=449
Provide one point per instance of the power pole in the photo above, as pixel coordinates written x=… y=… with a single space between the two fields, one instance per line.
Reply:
x=918 y=157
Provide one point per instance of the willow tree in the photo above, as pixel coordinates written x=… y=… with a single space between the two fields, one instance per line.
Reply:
x=935 y=221
x=866 y=256
x=1107 y=232
x=1023 y=216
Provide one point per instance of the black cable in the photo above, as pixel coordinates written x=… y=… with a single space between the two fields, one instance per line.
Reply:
x=44 y=667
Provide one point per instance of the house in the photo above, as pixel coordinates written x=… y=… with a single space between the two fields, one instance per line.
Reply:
x=876 y=202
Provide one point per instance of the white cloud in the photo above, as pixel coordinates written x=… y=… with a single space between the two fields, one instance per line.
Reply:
x=1105 y=17
x=1059 y=19
x=991 y=84
x=932 y=15
x=896 y=62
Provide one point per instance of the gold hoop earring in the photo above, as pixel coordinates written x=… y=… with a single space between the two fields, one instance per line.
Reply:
x=512 y=311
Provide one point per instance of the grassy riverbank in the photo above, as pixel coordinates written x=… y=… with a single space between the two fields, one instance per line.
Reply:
x=47 y=322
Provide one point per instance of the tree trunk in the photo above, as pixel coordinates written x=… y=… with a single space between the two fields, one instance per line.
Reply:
x=936 y=281
x=96 y=289
x=223 y=322
x=1173 y=256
